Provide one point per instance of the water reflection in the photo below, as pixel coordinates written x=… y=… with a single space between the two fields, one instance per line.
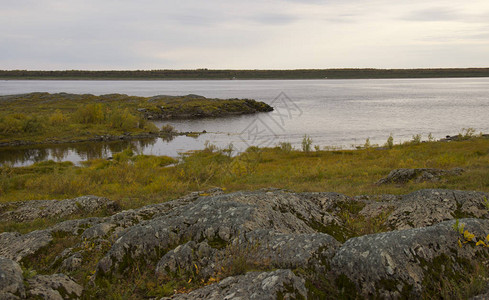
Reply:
x=75 y=152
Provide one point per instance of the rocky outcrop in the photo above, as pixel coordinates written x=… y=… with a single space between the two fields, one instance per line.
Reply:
x=16 y=246
x=267 y=244
x=11 y=279
x=196 y=107
x=401 y=176
x=428 y=207
x=279 y=284
x=36 y=209
x=397 y=264
x=52 y=287
x=56 y=286
x=220 y=219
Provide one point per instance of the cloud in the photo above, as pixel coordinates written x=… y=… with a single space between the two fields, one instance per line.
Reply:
x=122 y=34
x=437 y=14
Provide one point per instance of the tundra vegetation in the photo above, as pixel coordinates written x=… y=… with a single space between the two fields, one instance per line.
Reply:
x=133 y=180
x=47 y=118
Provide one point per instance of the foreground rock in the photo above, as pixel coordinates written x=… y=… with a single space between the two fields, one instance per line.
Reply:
x=11 y=279
x=56 y=286
x=36 y=209
x=427 y=207
x=279 y=284
x=269 y=244
x=401 y=263
x=418 y=175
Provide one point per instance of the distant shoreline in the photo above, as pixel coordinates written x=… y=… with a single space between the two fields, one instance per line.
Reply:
x=208 y=74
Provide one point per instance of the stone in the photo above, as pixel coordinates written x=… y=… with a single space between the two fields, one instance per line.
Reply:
x=278 y=284
x=36 y=209
x=16 y=246
x=56 y=286
x=427 y=207
x=216 y=218
x=11 y=280
x=395 y=264
x=401 y=176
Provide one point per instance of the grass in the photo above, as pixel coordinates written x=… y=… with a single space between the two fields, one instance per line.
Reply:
x=136 y=180
x=47 y=118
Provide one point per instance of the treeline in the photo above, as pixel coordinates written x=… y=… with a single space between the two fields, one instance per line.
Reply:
x=246 y=74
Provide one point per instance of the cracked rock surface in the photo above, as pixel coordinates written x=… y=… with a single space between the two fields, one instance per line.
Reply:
x=264 y=244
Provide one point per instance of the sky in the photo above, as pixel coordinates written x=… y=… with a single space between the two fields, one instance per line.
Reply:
x=254 y=34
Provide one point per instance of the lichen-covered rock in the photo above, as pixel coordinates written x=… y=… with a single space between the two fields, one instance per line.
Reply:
x=290 y=250
x=418 y=175
x=115 y=224
x=258 y=248
x=189 y=258
x=16 y=246
x=36 y=209
x=11 y=280
x=428 y=207
x=207 y=236
x=400 y=263
x=220 y=218
x=54 y=287
x=279 y=284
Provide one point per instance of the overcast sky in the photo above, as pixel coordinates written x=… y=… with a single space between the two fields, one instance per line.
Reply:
x=229 y=34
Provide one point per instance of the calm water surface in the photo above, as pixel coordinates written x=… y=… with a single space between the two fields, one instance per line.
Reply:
x=334 y=113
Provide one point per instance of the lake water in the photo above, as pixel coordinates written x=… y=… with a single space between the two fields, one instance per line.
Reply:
x=334 y=113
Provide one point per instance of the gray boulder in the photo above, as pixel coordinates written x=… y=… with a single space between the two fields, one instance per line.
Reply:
x=258 y=249
x=418 y=175
x=36 y=209
x=218 y=218
x=190 y=259
x=289 y=251
x=279 y=284
x=403 y=263
x=54 y=287
x=428 y=207
x=11 y=280
x=16 y=246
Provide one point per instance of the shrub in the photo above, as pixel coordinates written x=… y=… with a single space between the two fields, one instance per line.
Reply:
x=147 y=126
x=466 y=133
x=10 y=125
x=57 y=118
x=390 y=142
x=367 y=144
x=32 y=125
x=416 y=139
x=306 y=143
x=285 y=146
x=168 y=129
x=90 y=114
x=123 y=119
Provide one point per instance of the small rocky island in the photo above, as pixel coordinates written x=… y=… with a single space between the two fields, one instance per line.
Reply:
x=44 y=118
x=266 y=244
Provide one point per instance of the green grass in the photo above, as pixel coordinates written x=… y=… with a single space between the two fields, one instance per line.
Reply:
x=135 y=180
